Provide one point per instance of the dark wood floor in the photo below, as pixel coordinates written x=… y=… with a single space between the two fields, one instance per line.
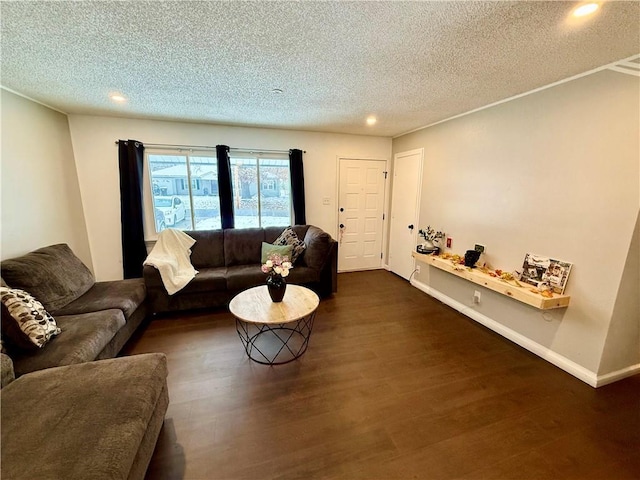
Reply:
x=394 y=385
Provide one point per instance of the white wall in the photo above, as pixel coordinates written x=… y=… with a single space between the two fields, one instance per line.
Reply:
x=40 y=194
x=553 y=173
x=96 y=156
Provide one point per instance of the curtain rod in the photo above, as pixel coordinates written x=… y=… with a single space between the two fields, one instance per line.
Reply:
x=206 y=147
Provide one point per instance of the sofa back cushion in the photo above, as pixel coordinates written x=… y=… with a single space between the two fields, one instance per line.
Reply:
x=208 y=251
x=53 y=274
x=243 y=246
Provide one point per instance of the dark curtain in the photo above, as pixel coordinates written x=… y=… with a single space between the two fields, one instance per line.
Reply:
x=297 y=186
x=224 y=186
x=134 y=252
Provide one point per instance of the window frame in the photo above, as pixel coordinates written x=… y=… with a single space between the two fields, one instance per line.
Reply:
x=262 y=157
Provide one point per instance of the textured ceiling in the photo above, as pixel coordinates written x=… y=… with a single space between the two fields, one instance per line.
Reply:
x=408 y=63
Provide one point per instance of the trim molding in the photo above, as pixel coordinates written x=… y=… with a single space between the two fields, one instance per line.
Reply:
x=616 y=375
x=615 y=66
x=33 y=100
x=560 y=361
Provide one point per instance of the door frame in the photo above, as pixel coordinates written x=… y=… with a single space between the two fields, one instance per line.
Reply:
x=396 y=156
x=385 y=208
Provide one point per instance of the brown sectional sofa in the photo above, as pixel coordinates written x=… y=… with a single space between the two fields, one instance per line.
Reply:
x=96 y=318
x=67 y=416
x=228 y=261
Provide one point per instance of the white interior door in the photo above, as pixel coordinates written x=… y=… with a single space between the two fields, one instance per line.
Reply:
x=360 y=210
x=405 y=209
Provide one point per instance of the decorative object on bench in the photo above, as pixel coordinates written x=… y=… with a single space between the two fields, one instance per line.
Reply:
x=277 y=269
x=230 y=260
x=471 y=257
x=431 y=237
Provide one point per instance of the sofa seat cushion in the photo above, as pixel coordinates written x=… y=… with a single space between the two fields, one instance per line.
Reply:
x=300 y=275
x=207 y=280
x=53 y=274
x=241 y=277
x=80 y=421
x=81 y=339
x=126 y=295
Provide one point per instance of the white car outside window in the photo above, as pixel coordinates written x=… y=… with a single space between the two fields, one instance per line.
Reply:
x=172 y=208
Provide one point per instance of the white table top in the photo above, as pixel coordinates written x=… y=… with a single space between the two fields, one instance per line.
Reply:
x=255 y=305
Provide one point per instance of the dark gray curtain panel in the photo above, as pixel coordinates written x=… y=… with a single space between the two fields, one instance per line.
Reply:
x=297 y=186
x=224 y=186
x=134 y=251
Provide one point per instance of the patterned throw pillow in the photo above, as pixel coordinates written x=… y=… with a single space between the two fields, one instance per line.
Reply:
x=289 y=237
x=25 y=322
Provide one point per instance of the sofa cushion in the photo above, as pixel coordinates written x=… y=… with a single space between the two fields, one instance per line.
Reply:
x=80 y=421
x=81 y=339
x=53 y=274
x=127 y=295
x=208 y=279
x=208 y=251
x=241 y=277
x=289 y=237
x=242 y=246
x=284 y=251
x=25 y=322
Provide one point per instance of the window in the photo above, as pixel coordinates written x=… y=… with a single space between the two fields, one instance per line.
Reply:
x=261 y=190
x=184 y=190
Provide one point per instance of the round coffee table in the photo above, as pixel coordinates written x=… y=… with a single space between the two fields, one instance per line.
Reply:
x=274 y=333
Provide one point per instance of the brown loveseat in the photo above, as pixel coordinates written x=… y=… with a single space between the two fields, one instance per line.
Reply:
x=228 y=261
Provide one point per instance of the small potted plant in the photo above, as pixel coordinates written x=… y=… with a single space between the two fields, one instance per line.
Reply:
x=431 y=237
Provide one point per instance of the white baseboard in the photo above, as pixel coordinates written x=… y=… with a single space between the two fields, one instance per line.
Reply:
x=611 y=377
x=556 y=359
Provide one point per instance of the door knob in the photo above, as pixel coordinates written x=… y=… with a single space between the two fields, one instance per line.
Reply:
x=341 y=209
x=410 y=227
x=342 y=225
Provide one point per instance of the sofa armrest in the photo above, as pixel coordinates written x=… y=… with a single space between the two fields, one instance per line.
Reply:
x=322 y=255
x=318 y=244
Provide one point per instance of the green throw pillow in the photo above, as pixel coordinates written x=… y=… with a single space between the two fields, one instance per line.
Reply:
x=282 y=250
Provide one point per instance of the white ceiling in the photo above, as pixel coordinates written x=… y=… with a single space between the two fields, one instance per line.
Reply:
x=408 y=63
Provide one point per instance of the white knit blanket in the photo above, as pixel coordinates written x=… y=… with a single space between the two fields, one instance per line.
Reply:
x=171 y=255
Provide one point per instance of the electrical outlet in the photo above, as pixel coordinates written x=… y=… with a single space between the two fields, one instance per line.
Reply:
x=476 y=296
x=479 y=248
x=449 y=242
x=326 y=200
x=417 y=268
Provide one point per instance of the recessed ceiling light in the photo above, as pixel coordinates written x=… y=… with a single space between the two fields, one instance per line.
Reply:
x=371 y=120
x=277 y=91
x=585 y=9
x=117 y=97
